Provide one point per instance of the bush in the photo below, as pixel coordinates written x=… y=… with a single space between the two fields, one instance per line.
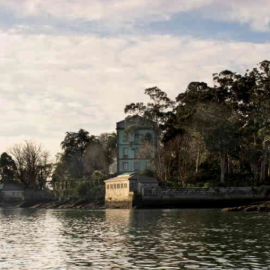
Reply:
x=149 y=173
x=82 y=190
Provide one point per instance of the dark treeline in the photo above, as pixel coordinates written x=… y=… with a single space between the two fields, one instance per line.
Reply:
x=209 y=136
x=212 y=135
x=84 y=162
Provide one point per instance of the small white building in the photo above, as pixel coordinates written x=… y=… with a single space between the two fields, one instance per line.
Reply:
x=121 y=190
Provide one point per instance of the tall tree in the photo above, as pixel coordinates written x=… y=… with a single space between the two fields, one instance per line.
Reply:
x=155 y=113
x=7 y=168
x=31 y=159
x=74 y=146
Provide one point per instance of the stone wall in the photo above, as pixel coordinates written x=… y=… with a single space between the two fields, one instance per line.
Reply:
x=199 y=197
x=125 y=203
x=210 y=193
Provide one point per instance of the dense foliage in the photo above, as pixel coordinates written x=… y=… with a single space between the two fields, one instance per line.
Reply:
x=213 y=134
x=85 y=161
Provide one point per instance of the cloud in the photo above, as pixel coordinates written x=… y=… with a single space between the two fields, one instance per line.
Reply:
x=53 y=84
x=123 y=10
x=254 y=13
x=126 y=13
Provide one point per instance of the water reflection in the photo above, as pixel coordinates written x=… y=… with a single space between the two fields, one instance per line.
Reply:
x=143 y=239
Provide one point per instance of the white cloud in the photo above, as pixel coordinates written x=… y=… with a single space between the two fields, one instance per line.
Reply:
x=53 y=84
x=254 y=13
x=123 y=10
x=124 y=13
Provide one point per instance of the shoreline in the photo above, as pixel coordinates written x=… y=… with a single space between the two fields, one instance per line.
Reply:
x=259 y=206
x=253 y=207
x=66 y=204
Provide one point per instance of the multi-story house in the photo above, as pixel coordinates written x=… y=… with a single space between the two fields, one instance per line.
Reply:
x=132 y=136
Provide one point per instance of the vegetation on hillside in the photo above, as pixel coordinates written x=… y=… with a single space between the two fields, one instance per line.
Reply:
x=210 y=135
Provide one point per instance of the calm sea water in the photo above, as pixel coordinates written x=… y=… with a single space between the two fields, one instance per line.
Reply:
x=140 y=239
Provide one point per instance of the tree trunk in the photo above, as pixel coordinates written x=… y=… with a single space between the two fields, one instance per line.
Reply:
x=222 y=168
x=229 y=169
x=263 y=163
x=198 y=161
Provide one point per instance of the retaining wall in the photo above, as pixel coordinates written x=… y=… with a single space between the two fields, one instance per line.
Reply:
x=198 y=197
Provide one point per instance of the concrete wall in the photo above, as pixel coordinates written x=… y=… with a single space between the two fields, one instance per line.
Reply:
x=117 y=190
x=118 y=193
x=212 y=197
x=146 y=186
x=211 y=193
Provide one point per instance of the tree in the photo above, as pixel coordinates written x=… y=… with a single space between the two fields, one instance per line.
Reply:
x=74 y=146
x=32 y=163
x=7 y=168
x=155 y=113
x=100 y=154
x=215 y=123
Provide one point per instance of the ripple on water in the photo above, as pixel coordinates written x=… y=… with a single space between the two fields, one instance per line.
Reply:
x=141 y=239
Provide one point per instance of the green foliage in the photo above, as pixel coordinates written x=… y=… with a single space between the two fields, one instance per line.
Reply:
x=82 y=190
x=213 y=135
x=7 y=168
x=74 y=146
x=149 y=173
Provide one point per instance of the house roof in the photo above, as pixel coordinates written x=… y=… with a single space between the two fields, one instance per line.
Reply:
x=143 y=178
x=133 y=176
x=11 y=186
x=135 y=120
x=124 y=176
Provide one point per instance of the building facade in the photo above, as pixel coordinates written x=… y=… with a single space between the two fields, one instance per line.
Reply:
x=121 y=191
x=11 y=192
x=131 y=143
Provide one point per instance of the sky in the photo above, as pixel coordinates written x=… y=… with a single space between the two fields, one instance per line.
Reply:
x=71 y=64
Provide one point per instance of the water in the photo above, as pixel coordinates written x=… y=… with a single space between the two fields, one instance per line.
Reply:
x=141 y=239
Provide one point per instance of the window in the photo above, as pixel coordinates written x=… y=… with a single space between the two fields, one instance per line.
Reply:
x=125 y=166
x=136 y=166
x=122 y=185
x=114 y=186
x=125 y=152
x=111 y=186
x=108 y=186
x=118 y=186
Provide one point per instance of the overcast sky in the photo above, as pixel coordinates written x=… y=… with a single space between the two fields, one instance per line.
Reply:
x=71 y=64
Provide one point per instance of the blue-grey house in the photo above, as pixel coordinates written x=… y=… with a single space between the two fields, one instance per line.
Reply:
x=132 y=135
x=11 y=192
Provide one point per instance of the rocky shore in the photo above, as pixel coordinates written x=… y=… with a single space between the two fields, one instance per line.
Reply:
x=255 y=207
x=67 y=204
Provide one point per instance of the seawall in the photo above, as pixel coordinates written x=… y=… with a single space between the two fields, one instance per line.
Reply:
x=201 y=198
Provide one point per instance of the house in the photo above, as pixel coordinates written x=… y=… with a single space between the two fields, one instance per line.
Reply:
x=132 y=134
x=121 y=191
x=11 y=192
